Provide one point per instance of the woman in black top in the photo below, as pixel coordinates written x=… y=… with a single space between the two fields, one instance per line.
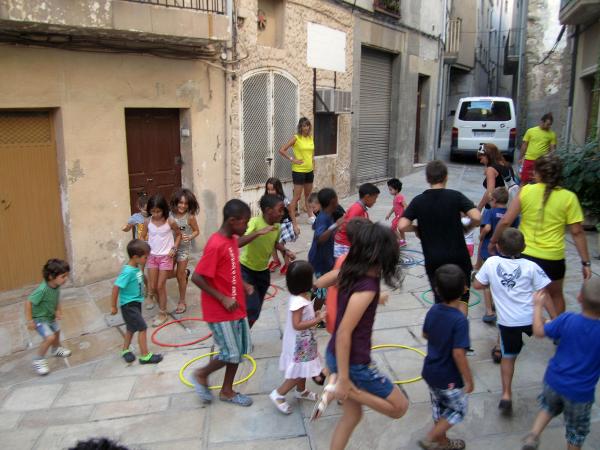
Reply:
x=496 y=171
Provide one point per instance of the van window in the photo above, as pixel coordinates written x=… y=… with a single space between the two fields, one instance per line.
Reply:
x=485 y=110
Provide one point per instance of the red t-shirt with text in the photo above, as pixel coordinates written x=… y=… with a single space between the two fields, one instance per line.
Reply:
x=220 y=267
x=356 y=210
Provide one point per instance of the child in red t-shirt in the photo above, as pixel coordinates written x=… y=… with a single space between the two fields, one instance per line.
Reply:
x=219 y=276
x=398 y=207
x=367 y=194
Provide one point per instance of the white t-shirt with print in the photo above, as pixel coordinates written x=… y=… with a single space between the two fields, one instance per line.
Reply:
x=513 y=282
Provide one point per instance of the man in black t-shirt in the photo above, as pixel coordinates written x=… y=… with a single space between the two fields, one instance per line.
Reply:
x=437 y=211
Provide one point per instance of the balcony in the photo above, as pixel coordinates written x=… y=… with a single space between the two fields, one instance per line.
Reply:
x=511 y=51
x=452 y=41
x=388 y=7
x=576 y=12
x=182 y=26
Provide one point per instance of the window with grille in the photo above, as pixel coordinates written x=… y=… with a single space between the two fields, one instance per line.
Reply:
x=269 y=119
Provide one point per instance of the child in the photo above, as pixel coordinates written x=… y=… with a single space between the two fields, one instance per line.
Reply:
x=320 y=254
x=446 y=370
x=355 y=379
x=367 y=194
x=184 y=208
x=137 y=220
x=314 y=206
x=163 y=236
x=398 y=207
x=218 y=275
x=274 y=187
x=299 y=356
x=42 y=310
x=129 y=289
x=512 y=280
x=469 y=233
x=573 y=372
x=260 y=240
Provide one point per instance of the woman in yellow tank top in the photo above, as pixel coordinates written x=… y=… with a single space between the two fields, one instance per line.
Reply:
x=303 y=147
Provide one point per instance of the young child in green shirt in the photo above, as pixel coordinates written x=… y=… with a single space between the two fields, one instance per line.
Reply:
x=42 y=310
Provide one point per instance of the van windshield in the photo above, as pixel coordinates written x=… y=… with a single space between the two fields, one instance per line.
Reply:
x=485 y=110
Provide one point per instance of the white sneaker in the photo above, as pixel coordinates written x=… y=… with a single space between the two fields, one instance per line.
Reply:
x=41 y=366
x=311 y=219
x=61 y=352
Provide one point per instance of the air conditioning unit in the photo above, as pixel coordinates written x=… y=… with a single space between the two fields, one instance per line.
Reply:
x=333 y=101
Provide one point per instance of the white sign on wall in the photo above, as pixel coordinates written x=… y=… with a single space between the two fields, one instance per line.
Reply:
x=325 y=48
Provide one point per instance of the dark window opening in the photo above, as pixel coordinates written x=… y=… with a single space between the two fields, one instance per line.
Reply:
x=325 y=134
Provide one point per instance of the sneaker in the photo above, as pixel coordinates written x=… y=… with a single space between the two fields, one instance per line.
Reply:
x=61 y=352
x=151 y=358
x=312 y=219
x=471 y=352
x=489 y=318
x=128 y=356
x=530 y=442
x=41 y=366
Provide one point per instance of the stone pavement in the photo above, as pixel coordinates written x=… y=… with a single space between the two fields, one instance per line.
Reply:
x=94 y=393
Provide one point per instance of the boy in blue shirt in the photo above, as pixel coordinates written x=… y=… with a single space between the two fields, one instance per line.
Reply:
x=446 y=369
x=573 y=372
x=129 y=289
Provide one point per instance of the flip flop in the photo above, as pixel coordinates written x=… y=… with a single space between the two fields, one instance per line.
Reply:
x=237 y=399
x=202 y=391
x=180 y=310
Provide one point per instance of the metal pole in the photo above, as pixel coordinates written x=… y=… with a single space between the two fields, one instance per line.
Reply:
x=440 y=84
x=498 y=52
x=521 y=71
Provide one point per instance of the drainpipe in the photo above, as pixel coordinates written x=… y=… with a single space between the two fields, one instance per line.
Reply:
x=521 y=72
x=440 y=94
x=229 y=78
x=568 y=125
x=498 y=51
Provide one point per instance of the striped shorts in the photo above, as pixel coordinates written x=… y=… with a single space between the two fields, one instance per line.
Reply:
x=233 y=339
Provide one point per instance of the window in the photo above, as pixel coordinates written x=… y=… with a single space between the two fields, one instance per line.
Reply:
x=485 y=110
x=270 y=22
x=326 y=125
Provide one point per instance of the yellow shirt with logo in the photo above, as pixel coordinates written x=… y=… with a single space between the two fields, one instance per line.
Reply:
x=304 y=149
x=538 y=142
x=544 y=228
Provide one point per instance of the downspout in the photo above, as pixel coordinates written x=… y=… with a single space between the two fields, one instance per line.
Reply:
x=522 y=43
x=229 y=78
x=498 y=51
x=568 y=125
x=440 y=94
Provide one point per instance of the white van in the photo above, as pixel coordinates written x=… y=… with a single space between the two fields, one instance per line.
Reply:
x=484 y=120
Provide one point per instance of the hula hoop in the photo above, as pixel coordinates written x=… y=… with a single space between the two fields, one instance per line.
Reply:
x=416 y=350
x=270 y=296
x=191 y=361
x=163 y=344
x=475 y=293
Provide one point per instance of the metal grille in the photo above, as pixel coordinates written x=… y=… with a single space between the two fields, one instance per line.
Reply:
x=374 y=120
x=25 y=128
x=214 y=6
x=269 y=116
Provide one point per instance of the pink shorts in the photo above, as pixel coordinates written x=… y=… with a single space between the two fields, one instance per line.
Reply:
x=160 y=262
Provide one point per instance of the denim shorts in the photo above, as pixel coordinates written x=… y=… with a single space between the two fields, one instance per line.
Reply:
x=449 y=404
x=46 y=329
x=365 y=376
x=577 y=414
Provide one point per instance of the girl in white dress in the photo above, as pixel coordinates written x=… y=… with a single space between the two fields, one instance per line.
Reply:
x=299 y=356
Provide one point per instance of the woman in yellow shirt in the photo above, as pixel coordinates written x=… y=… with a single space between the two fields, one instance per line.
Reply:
x=303 y=146
x=546 y=210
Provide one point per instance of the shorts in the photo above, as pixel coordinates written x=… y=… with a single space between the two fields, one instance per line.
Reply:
x=365 y=376
x=449 y=404
x=46 y=329
x=577 y=414
x=511 y=339
x=183 y=252
x=554 y=269
x=302 y=178
x=160 y=262
x=340 y=249
x=287 y=232
x=526 y=174
x=132 y=316
x=232 y=338
x=261 y=280
x=464 y=298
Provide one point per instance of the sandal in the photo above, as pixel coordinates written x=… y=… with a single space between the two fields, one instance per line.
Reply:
x=279 y=402
x=320 y=379
x=305 y=395
x=181 y=308
x=237 y=399
x=505 y=407
x=496 y=354
x=161 y=318
x=326 y=397
x=150 y=301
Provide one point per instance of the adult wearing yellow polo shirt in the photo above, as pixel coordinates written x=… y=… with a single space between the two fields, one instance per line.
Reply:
x=536 y=143
x=303 y=146
x=546 y=211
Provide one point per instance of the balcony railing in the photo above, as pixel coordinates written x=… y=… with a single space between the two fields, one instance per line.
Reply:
x=211 y=6
x=453 y=39
x=390 y=7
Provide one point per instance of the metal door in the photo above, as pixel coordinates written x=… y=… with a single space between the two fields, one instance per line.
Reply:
x=153 y=153
x=30 y=209
x=374 y=121
x=269 y=119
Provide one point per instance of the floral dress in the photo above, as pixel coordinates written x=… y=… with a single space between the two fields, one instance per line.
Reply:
x=299 y=355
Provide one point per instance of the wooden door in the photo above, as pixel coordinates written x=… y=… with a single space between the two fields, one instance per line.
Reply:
x=31 y=227
x=153 y=153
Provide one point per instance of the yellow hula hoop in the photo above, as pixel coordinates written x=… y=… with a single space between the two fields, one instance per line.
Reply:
x=193 y=360
x=416 y=350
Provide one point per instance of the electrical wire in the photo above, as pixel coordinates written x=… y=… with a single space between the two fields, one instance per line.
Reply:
x=554 y=47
